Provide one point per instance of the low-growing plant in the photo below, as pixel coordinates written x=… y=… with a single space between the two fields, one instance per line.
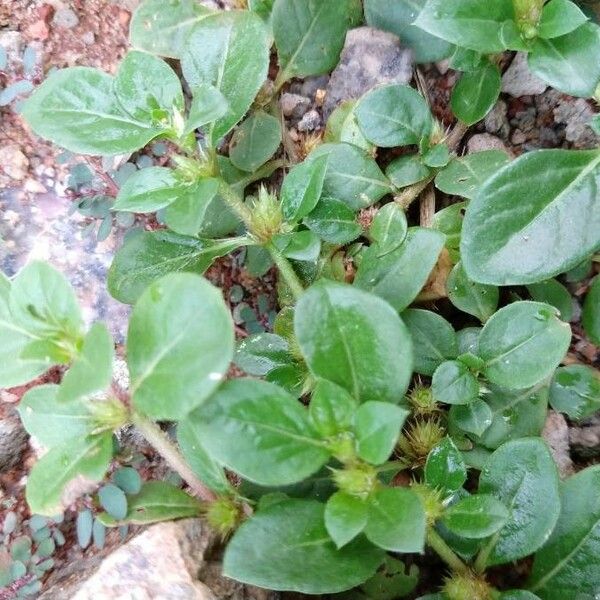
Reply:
x=352 y=439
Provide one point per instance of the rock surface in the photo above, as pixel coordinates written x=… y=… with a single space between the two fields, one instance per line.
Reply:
x=485 y=141
x=519 y=81
x=585 y=438
x=167 y=561
x=370 y=57
x=556 y=434
x=13 y=438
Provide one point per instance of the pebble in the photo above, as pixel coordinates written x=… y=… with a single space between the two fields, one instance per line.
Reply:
x=13 y=162
x=496 y=121
x=519 y=81
x=66 y=18
x=294 y=105
x=13 y=438
x=310 y=121
x=585 y=438
x=88 y=38
x=370 y=57
x=576 y=114
x=485 y=141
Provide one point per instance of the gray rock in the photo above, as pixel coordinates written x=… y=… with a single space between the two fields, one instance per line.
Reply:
x=370 y=57
x=13 y=438
x=66 y=18
x=585 y=438
x=576 y=114
x=294 y=105
x=310 y=121
x=88 y=38
x=556 y=434
x=485 y=141
x=496 y=121
x=167 y=561
x=519 y=81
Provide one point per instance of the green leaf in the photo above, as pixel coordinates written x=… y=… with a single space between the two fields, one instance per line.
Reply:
x=207 y=469
x=345 y=517
x=475 y=299
x=393 y=581
x=258 y=354
x=464 y=176
x=92 y=369
x=377 y=427
x=331 y=408
x=468 y=340
x=333 y=221
x=286 y=547
x=208 y=105
x=434 y=339
x=507 y=241
x=342 y=127
x=445 y=468
x=179 y=345
x=255 y=141
x=475 y=93
x=449 y=221
x=406 y=170
x=396 y=520
x=590 y=318
x=43 y=303
x=13 y=340
x=568 y=563
x=394 y=115
x=76 y=108
x=515 y=414
x=157 y=501
x=309 y=35
x=529 y=488
x=48 y=483
x=474 y=24
x=554 y=293
x=50 y=421
x=113 y=501
x=355 y=340
x=258 y=430
x=150 y=255
x=389 y=228
x=149 y=190
x=476 y=517
x=474 y=417
x=352 y=176
x=560 y=17
x=453 y=383
x=162 y=28
x=189 y=211
x=398 y=17
x=128 y=479
x=518 y=595
x=302 y=245
x=523 y=343
x=575 y=391
x=400 y=275
x=302 y=188
x=147 y=88
x=569 y=63
x=230 y=51
x=437 y=156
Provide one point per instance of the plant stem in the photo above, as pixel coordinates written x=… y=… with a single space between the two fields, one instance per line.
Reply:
x=445 y=552
x=287 y=271
x=484 y=554
x=412 y=192
x=234 y=201
x=163 y=445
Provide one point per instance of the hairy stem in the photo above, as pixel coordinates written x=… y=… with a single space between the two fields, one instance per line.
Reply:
x=484 y=554
x=235 y=202
x=445 y=552
x=408 y=195
x=287 y=271
x=163 y=445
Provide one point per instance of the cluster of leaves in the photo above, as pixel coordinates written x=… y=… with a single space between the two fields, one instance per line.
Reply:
x=26 y=558
x=19 y=84
x=320 y=505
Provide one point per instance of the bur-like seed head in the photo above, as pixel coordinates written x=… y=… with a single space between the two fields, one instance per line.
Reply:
x=357 y=480
x=421 y=400
x=432 y=501
x=420 y=437
x=467 y=586
x=266 y=216
x=223 y=514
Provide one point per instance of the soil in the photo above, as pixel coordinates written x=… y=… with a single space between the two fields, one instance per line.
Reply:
x=38 y=195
